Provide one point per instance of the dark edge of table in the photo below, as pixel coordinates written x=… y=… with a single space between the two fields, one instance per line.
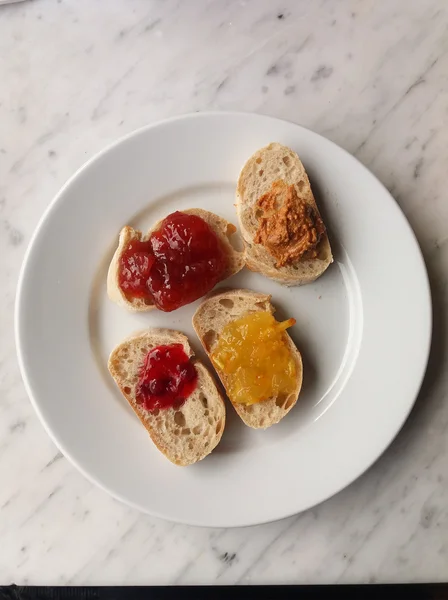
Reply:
x=239 y=592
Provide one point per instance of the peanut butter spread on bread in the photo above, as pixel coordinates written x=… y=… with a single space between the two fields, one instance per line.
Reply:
x=289 y=227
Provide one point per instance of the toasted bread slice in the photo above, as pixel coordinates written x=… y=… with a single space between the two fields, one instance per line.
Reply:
x=272 y=163
x=222 y=228
x=210 y=319
x=184 y=435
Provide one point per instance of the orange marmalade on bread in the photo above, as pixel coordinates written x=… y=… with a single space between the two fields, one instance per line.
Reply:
x=254 y=354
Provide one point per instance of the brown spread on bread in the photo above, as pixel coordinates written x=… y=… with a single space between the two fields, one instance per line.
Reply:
x=289 y=227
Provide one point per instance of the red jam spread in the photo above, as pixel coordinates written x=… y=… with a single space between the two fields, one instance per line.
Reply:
x=166 y=379
x=135 y=266
x=182 y=261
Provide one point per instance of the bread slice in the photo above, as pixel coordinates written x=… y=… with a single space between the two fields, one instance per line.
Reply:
x=210 y=319
x=191 y=432
x=272 y=163
x=222 y=228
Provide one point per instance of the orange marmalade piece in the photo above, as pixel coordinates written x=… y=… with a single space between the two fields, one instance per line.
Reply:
x=289 y=227
x=254 y=355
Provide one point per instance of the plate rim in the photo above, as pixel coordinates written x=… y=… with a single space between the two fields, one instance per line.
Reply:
x=224 y=521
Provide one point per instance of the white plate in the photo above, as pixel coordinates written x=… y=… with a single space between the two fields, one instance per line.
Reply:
x=363 y=328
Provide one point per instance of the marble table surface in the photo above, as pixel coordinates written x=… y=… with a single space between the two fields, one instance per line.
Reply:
x=371 y=76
